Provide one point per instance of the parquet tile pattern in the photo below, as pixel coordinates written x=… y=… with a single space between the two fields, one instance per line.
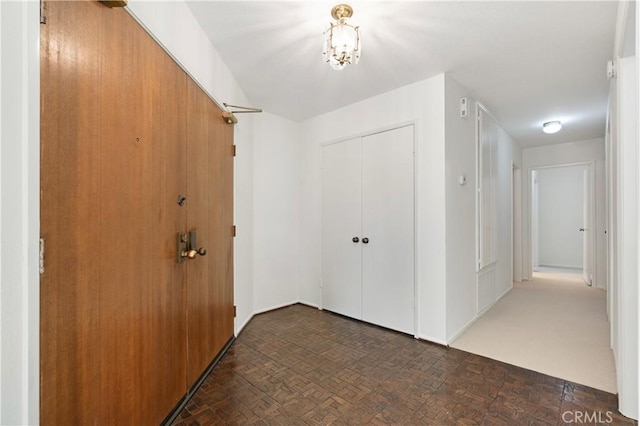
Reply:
x=302 y=366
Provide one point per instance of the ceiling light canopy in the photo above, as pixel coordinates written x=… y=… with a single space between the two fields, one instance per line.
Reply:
x=341 y=39
x=551 y=127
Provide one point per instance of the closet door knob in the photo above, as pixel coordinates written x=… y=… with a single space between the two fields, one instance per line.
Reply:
x=355 y=239
x=365 y=240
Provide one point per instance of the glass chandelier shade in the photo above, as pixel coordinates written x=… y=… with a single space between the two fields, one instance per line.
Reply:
x=341 y=39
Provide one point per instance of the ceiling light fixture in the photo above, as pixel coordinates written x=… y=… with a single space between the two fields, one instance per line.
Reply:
x=342 y=39
x=551 y=127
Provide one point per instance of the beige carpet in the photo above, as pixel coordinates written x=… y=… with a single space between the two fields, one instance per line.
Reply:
x=554 y=324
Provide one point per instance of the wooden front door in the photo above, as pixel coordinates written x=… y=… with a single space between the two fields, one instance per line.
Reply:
x=210 y=215
x=115 y=157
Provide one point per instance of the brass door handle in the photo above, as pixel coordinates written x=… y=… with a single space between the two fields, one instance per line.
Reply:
x=187 y=247
x=189 y=254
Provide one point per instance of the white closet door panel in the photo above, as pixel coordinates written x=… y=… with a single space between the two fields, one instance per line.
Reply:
x=341 y=222
x=388 y=223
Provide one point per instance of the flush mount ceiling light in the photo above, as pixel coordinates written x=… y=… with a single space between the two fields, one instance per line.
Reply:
x=551 y=127
x=341 y=39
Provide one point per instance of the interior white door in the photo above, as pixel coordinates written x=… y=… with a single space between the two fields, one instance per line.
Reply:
x=341 y=223
x=388 y=294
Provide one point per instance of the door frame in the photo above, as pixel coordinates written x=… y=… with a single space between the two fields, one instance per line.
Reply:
x=516 y=222
x=590 y=197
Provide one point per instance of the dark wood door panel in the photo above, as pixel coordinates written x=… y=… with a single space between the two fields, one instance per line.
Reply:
x=70 y=208
x=200 y=313
x=210 y=188
x=113 y=324
x=221 y=225
x=142 y=317
x=124 y=133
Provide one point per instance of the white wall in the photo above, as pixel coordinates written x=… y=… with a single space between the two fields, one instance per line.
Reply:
x=561 y=215
x=509 y=154
x=572 y=153
x=19 y=212
x=173 y=25
x=627 y=195
x=460 y=160
x=420 y=103
x=446 y=297
x=623 y=185
x=276 y=205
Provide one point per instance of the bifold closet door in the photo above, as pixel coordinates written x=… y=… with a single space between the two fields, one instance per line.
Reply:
x=341 y=223
x=388 y=226
x=368 y=229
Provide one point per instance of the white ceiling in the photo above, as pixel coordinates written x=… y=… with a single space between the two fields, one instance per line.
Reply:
x=528 y=62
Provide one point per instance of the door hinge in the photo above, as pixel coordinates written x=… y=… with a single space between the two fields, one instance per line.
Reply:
x=233 y=231
x=43 y=12
x=41 y=256
x=233 y=150
x=235 y=311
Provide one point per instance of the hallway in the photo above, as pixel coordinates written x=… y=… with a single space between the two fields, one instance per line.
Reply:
x=554 y=324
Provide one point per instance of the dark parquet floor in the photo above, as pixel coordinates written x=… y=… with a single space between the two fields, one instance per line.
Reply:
x=299 y=365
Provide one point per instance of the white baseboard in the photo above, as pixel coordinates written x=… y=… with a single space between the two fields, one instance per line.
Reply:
x=273 y=308
x=244 y=324
x=309 y=304
x=477 y=317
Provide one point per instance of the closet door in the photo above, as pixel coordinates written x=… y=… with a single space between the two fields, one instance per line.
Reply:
x=388 y=229
x=341 y=223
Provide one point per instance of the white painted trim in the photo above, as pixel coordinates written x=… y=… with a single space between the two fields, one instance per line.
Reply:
x=309 y=304
x=627 y=253
x=262 y=311
x=20 y=222
x=516 y=222
x=244 y=324
x=274 y=307
x=621 y=27
x=528 y=273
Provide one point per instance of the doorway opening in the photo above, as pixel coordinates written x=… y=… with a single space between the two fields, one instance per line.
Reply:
x=562 y=220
